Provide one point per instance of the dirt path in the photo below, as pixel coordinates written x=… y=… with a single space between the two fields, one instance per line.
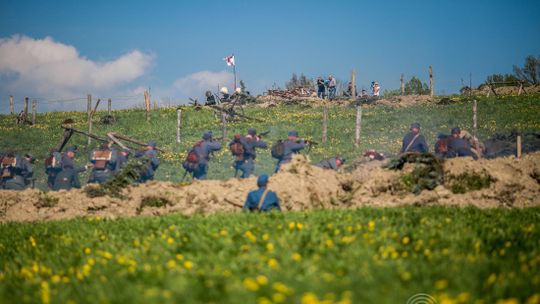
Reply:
x=299 y=185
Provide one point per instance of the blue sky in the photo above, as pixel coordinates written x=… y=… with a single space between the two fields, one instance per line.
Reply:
x=176 y=47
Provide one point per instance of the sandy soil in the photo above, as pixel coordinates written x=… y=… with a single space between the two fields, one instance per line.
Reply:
x=299 y=185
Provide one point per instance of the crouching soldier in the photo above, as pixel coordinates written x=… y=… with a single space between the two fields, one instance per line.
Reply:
x=152 y=164
x=103 y=164
x=332 y=163
x=244 y=151
x=458 y=146
x=16 y=171
x=262 y=199
x=414 y=142
x=68 y=177
x=198 y=157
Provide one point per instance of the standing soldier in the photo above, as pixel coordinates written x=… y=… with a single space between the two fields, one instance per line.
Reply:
x=332 y=163
x=103 y=164
x=262 y=199
x=244 y=151
x=16 y=171
x=198 y=157
x=414 y=142
x=53 y=166
x=68 y=177
x=152 y=164
x=283 y=150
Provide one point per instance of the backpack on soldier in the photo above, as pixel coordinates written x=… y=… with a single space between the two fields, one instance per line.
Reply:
x=237 y=148
x=101 y=159
x=8 y=167
x=278 y=149
x=191 y=163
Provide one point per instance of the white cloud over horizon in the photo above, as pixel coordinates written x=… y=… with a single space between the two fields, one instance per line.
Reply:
x=54 y=69
x=196 y=84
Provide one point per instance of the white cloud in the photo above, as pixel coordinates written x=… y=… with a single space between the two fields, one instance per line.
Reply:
x=54 y=69
x=194 y=85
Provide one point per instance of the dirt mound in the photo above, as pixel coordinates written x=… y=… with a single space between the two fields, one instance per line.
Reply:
x=503 y=182
x=506 y=90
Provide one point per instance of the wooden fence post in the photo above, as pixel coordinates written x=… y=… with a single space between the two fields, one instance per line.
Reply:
x=353 y=84
x=26 y=106
x=178 y=124
x=89 y=114
x=520 y=88
x=518 y=144
x=147 y=103
x=11 y=104
x=109 y=107
x=34 y=109
x=224 y=126
x=358 y=125
x=325 y=125
x=402 y=85
x=430 y=81
x=475 y=122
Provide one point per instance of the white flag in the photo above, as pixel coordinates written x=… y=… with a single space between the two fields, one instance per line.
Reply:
x=229 y=60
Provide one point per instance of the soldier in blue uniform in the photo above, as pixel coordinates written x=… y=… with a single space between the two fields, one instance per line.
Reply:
x=458 y=146
x=68 y=177
x=103 y=164
x=203 y=149
x=152 y=164
x=16 y=171
x=245 y=161
x=414 y=142
x=291 y=146
x=122 y=158
x=262 y=199
x=332 y=163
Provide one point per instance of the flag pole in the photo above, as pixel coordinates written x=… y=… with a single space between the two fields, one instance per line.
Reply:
x=234 y=72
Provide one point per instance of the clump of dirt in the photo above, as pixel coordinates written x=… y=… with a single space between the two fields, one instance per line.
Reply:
x=466 y=182
x=299 y=185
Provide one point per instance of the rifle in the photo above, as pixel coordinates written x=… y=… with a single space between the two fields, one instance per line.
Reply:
x=262 y=134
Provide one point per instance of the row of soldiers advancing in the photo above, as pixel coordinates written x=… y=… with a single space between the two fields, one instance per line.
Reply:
x=244 y=151
x=104 y=161
x=62 y=173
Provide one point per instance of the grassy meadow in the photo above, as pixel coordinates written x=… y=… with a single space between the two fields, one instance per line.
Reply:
x=382 y=130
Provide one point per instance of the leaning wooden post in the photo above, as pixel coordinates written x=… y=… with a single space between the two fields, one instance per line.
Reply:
x=353 y=84
x=178 y=124
x=430 y=81
x=358 y=125
x=26 y=106
x=474 y=121
x=34 y=109
x=224 y=126
x=109 y=106
x=89 y=114
x=402 y=85
x=147 y=103
x=11 y=104
x=325 y=125
x=518 y=144
x=520 y=88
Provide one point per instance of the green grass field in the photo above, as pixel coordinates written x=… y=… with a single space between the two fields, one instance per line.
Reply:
x=367 y=255
x=382 y=129
x=352 y=256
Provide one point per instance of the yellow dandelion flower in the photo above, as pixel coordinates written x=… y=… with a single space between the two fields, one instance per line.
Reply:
x=296 y=257
x=261 y=280
x=250 y=284
x=405 y=240
x=171 y=264
x=272 y=263
x=188 y=264
x=441 y=284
